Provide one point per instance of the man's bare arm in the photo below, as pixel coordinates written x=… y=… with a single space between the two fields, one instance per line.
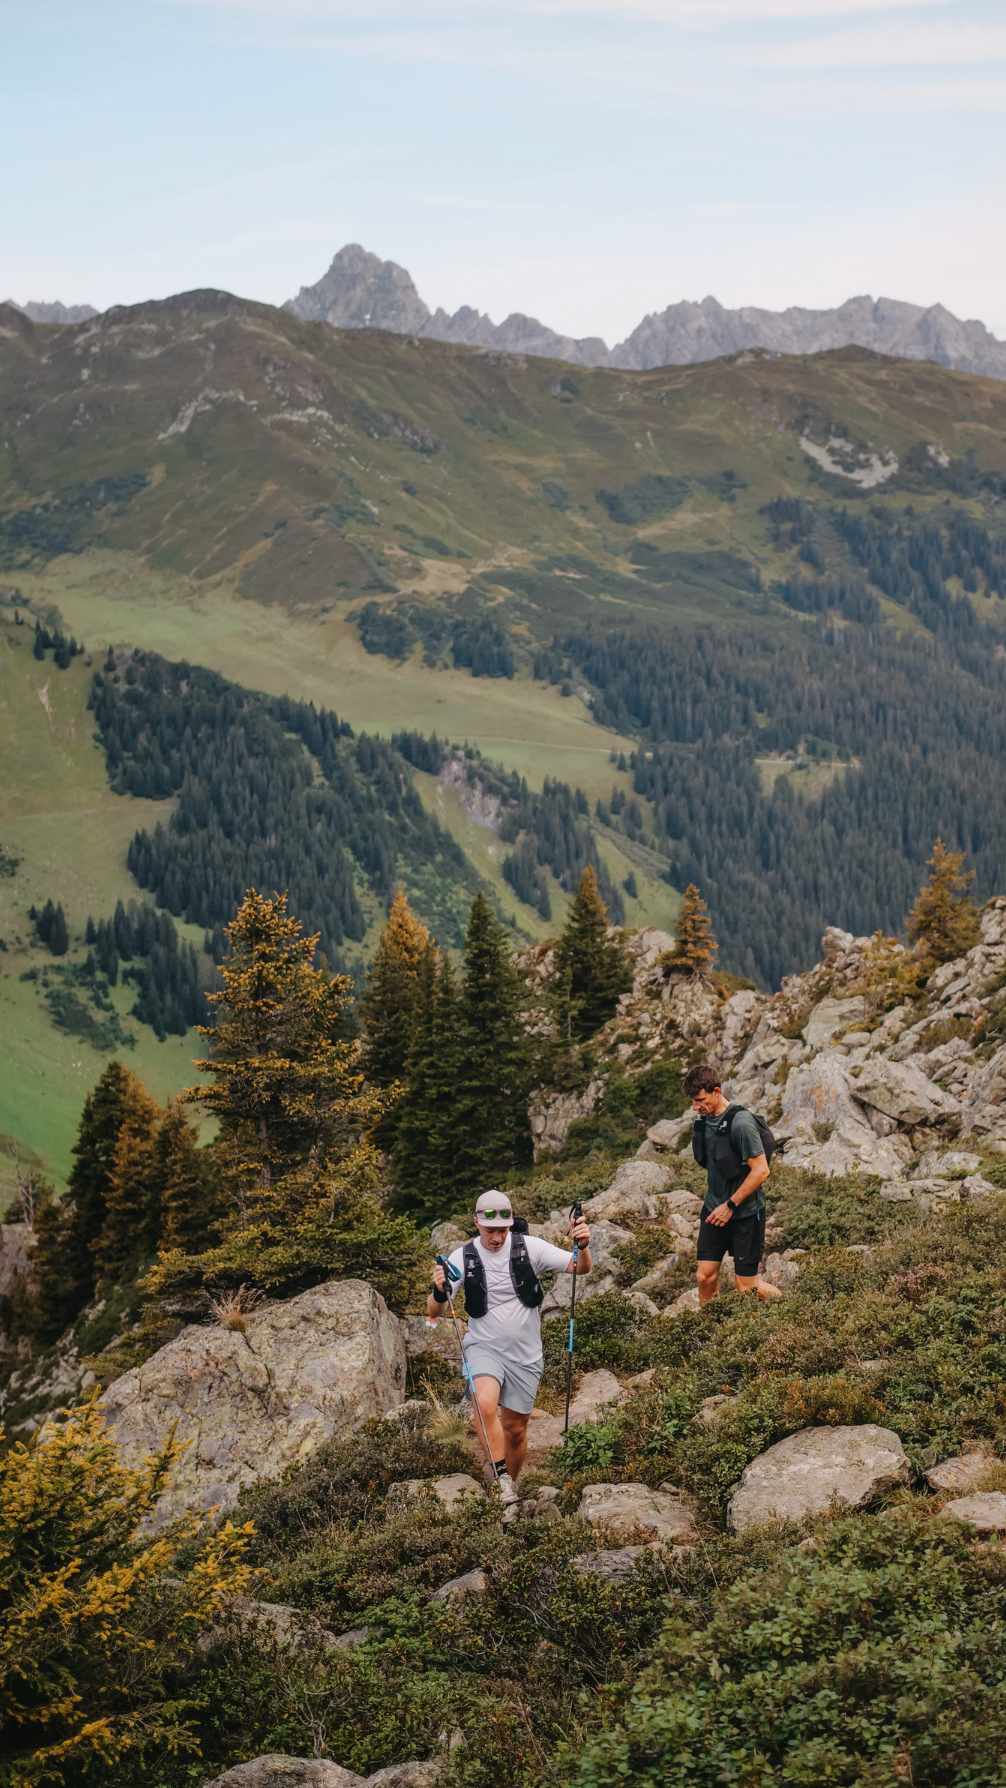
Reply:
x=757 y=1174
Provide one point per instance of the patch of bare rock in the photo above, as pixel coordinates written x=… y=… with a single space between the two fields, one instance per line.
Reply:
x=251 y=1404
x=317 y=1772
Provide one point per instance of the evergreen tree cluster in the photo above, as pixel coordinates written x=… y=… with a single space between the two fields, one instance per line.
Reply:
x=923 y=718
x=50 y=927
x=62 y=649
x=910 y=557
x=171 y=983
x=254 y=808
x=139 y=1183
x=482 y=646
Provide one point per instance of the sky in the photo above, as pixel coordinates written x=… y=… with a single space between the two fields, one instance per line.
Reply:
x=583 y=161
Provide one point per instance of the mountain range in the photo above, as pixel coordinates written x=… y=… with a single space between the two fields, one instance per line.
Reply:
x=361 y=291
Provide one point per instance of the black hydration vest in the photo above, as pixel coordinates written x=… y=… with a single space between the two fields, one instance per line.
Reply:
x=725 y=1155
x=522 y=1274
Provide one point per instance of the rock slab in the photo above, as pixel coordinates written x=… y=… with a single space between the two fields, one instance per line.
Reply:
x=807 y=1472
x=597 y=1389
x=623 y=1507
x=276 y=1771
x=960 y=1472
x=253 y=1404
x=986 y=1511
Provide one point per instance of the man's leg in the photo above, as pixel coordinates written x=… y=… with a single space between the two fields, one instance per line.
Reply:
x=708 y=1276
x=514 y=1426
x=754 y=1283
x=487 y=1391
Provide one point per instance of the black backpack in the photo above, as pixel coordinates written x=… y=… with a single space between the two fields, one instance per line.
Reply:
x=523 y=1277
x=731 y=1165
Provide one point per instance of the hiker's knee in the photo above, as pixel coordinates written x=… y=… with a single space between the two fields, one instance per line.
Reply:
x=514 y=1423
x=707 y=1272
x=487 y=1390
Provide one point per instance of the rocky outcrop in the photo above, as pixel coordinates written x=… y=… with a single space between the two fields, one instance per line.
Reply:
x=986 y=1510
x=550 y=1121
x=819 y=1468
x=659 y=1514
x=277 y=1771
x=823 y=1127
x=252 y=1404
x=598 y=1392
x=902 y=1092
x=961 y=1472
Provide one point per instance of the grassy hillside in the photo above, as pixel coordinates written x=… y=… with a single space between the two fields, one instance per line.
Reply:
x=69 y=834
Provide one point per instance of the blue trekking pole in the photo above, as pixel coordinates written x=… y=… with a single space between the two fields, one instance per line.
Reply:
x=449 y=1274
x=576 y=1213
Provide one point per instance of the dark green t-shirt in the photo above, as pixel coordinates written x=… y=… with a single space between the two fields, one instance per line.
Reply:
x=746 y=1139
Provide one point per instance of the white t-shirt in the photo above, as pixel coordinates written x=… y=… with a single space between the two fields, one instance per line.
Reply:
x=508 y=1325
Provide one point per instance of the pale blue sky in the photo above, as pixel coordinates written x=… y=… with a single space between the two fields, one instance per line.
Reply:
x=585 y=161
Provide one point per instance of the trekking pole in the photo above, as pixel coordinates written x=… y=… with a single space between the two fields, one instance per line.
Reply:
x=466 y=1369
x=576 y=1213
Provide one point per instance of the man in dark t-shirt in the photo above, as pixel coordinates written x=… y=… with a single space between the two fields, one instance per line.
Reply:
x=733 y=1213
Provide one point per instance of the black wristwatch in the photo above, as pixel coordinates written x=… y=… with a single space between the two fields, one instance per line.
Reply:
x=731 y=1206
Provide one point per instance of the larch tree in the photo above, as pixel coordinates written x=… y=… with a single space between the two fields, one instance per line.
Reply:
x=944 y=922
x=694 y=943
x=132 y=1208
x=590 y=970
x=389 y=1005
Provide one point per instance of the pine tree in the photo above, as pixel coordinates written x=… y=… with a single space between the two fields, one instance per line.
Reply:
x=425 y=1153
x=186 y=1177
x=132 y=1206
x=590 y=972
x=52 y=1294
x=389 y=1005
x=488 y=1111
x=87 y=1193
x=941 y=926
x=59 y=937
x=694 y=945
x=286 y=1087
x=38 y=650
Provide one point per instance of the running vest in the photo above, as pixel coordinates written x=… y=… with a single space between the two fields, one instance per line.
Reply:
x=523 y=1277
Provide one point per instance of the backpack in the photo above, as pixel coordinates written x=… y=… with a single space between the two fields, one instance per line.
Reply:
x=523 y=1277
x=729 y=1162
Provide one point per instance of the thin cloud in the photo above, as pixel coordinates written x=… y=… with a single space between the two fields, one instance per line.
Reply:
x=925 y=44
x=352 y=13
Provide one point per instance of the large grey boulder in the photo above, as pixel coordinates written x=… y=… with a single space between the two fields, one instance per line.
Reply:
x=808 y=1472
x=252 y=1404
x=984 y=1116
x=660 y=1514
x=830 y=1016
x=824 y=1128
x=631 y=1192
x=597 y=1393
x=901 y=1091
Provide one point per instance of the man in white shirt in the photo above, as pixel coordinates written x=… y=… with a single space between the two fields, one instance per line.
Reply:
x=499 y=1274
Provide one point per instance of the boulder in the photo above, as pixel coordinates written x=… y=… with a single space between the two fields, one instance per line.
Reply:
x=287 y=1772
x=984 y=1115
x=613 y=1566
x=357 y=1636
x=668 y=1134
x=689 y=1300
x=808 y=1472
x=824 y=1128
x=404 y=1775
x=960 y=1472
x=986 y=1510
x=711 y=1408
x=630 y=1192
x=660 y=1514
x=781 y=1269
x=463 y=1588
x=597 y=1390
x=451 y=1489
x=940 y=1165
x=445 y=1237
x=902 y=1092
x=252 y=1404
x=641 y=1303
x=976 y=1187
x=829 y=1016
x=550 y=1122
x=431 y=1334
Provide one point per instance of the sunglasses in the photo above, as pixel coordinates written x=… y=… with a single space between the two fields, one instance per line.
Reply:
x=490 y=1214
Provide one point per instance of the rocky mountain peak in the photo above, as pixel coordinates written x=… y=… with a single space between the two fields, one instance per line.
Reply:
x=360 y=291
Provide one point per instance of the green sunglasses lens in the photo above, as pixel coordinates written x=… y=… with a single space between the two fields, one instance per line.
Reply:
x=491 y=1214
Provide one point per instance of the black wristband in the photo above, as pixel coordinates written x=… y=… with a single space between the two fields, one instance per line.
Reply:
x=440 y=1294
x=731 y=1206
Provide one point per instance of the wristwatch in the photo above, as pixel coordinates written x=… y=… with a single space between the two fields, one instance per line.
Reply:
x=731 y=1206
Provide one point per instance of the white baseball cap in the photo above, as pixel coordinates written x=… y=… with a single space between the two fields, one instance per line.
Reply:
x=495 y=1208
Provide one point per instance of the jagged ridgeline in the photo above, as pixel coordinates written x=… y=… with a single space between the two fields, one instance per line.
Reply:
x=274 y=793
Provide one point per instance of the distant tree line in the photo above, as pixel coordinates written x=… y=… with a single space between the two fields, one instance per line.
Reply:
x=171 y=983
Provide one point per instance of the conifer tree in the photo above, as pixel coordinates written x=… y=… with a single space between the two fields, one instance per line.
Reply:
x=944 y=923
x=186 y=1177
x=132 y=1206
x=488 y=1113
x=590 y=972
x=425 y=1152
x=694 y=944
x=286 y=1086
x=59 y=937
x=87 y=1192
x=389 y=1006
x=51 y=1298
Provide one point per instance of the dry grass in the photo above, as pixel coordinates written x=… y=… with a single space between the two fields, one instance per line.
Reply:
x=232 y=1307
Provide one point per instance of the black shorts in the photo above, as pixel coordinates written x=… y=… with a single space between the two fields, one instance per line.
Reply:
x=743 y=1237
